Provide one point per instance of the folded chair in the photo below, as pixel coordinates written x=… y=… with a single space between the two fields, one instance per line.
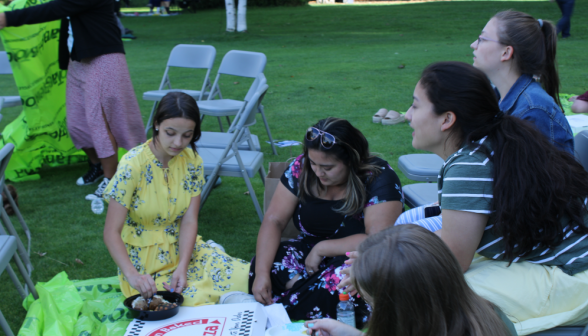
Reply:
x=235 y=63
x=5 y=69
x=231 y=161
x=221 y=139
x=420 y=167
x=183 y=56
x=7 y=252
x=6 y=226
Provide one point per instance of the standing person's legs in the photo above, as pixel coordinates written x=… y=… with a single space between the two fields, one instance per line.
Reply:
x=77 y=125
x=110 y=163
x=154 y=4
x=564 y=24
x=165 y=4
x=112 y=112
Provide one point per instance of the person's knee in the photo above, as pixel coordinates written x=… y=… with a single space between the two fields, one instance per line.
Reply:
x=580 y=106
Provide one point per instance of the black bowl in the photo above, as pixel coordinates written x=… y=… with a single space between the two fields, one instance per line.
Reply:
x=156 y=315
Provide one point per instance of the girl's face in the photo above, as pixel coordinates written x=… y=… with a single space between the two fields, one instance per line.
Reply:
x=488 y=52
x=175 y=135
x=428 y=127
x=330 y=170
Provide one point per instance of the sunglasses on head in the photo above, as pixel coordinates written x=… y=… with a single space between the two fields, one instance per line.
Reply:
x=327 y=139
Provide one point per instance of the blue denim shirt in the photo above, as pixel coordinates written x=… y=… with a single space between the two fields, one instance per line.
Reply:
x=527 y=100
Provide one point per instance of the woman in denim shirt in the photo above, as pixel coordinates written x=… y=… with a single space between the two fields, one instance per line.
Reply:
x=512 y=49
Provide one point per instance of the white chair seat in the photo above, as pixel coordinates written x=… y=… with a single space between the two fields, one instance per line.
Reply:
x=156 y=95
x=7 y=250
x=211 y=156
x=220 y=107
x=421 y=167
x=10 y=101
x=419 y=194
x=222 y=140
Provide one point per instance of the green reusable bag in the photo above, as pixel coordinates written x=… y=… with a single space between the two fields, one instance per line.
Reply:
x=77 y=308
x=39 y=133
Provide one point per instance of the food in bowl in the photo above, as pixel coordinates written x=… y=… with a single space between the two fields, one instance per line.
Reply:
x=158 y=303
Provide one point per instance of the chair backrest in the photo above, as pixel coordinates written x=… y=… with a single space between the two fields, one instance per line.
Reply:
x=5 y=68
x=192 y=56
x=248 y=116
x=259 y=80
x=243 y=63
x=581 y=148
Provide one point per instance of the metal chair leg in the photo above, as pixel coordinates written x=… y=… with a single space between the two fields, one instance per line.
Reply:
x=5 y=325
x=23 y=293
x=150 y=120
x=267 y=129
x=220 y=124
x=26 y=277
x=22 y=251
x=24 y=225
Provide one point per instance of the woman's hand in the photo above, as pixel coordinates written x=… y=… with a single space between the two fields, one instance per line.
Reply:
x=262 y=289
x=178 y=281
x=313 y=259
x=348 y=283
x=144 y=283
x=328 y=327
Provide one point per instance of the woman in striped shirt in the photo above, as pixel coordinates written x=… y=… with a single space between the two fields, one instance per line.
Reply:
x=507 y=193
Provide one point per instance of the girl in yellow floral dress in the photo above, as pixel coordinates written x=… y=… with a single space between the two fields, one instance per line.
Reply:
x=152 y=220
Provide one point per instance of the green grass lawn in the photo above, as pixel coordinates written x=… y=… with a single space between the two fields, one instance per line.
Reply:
x=322 y=61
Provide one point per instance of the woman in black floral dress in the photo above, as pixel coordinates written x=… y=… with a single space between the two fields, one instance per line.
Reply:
x=337 y=193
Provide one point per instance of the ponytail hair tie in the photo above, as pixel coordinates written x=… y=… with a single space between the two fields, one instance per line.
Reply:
x=540 y=23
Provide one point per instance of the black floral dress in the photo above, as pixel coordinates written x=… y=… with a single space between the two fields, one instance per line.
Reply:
x=316 y=296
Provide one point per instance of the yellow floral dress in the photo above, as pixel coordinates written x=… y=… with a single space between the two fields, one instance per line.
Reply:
x=156 y=206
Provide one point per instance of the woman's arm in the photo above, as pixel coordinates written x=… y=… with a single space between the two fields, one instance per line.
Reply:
x=49 y=11
x=462 y=232
x=274 y=222
x=376 y=217
x=188 y=233
x=580 y=106
x=115 y=218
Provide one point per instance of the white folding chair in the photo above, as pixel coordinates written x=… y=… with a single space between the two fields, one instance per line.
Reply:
x=222 y=140
x=231 y=161
x=183 y=56
x=235 y=63
x=7 y=227
x=5 y=69
x=420 y=167
x=8 y=252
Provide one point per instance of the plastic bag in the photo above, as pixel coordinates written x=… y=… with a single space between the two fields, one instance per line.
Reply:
x=76 y=308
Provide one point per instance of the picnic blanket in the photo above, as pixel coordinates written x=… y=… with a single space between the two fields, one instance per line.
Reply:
x=77 y=308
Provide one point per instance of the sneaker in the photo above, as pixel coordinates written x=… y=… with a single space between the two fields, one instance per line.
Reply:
x=213 y=244
x=236 y=297
x=99 y=191
x=92 y=175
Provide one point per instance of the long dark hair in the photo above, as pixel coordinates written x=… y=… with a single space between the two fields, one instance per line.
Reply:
x=352 y=149
x=534 y=43
x=415 y=286
x=177 y=105
x=535 y=183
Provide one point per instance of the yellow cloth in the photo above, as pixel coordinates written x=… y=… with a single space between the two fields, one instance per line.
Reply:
x=152 y=226
x=533 y=296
